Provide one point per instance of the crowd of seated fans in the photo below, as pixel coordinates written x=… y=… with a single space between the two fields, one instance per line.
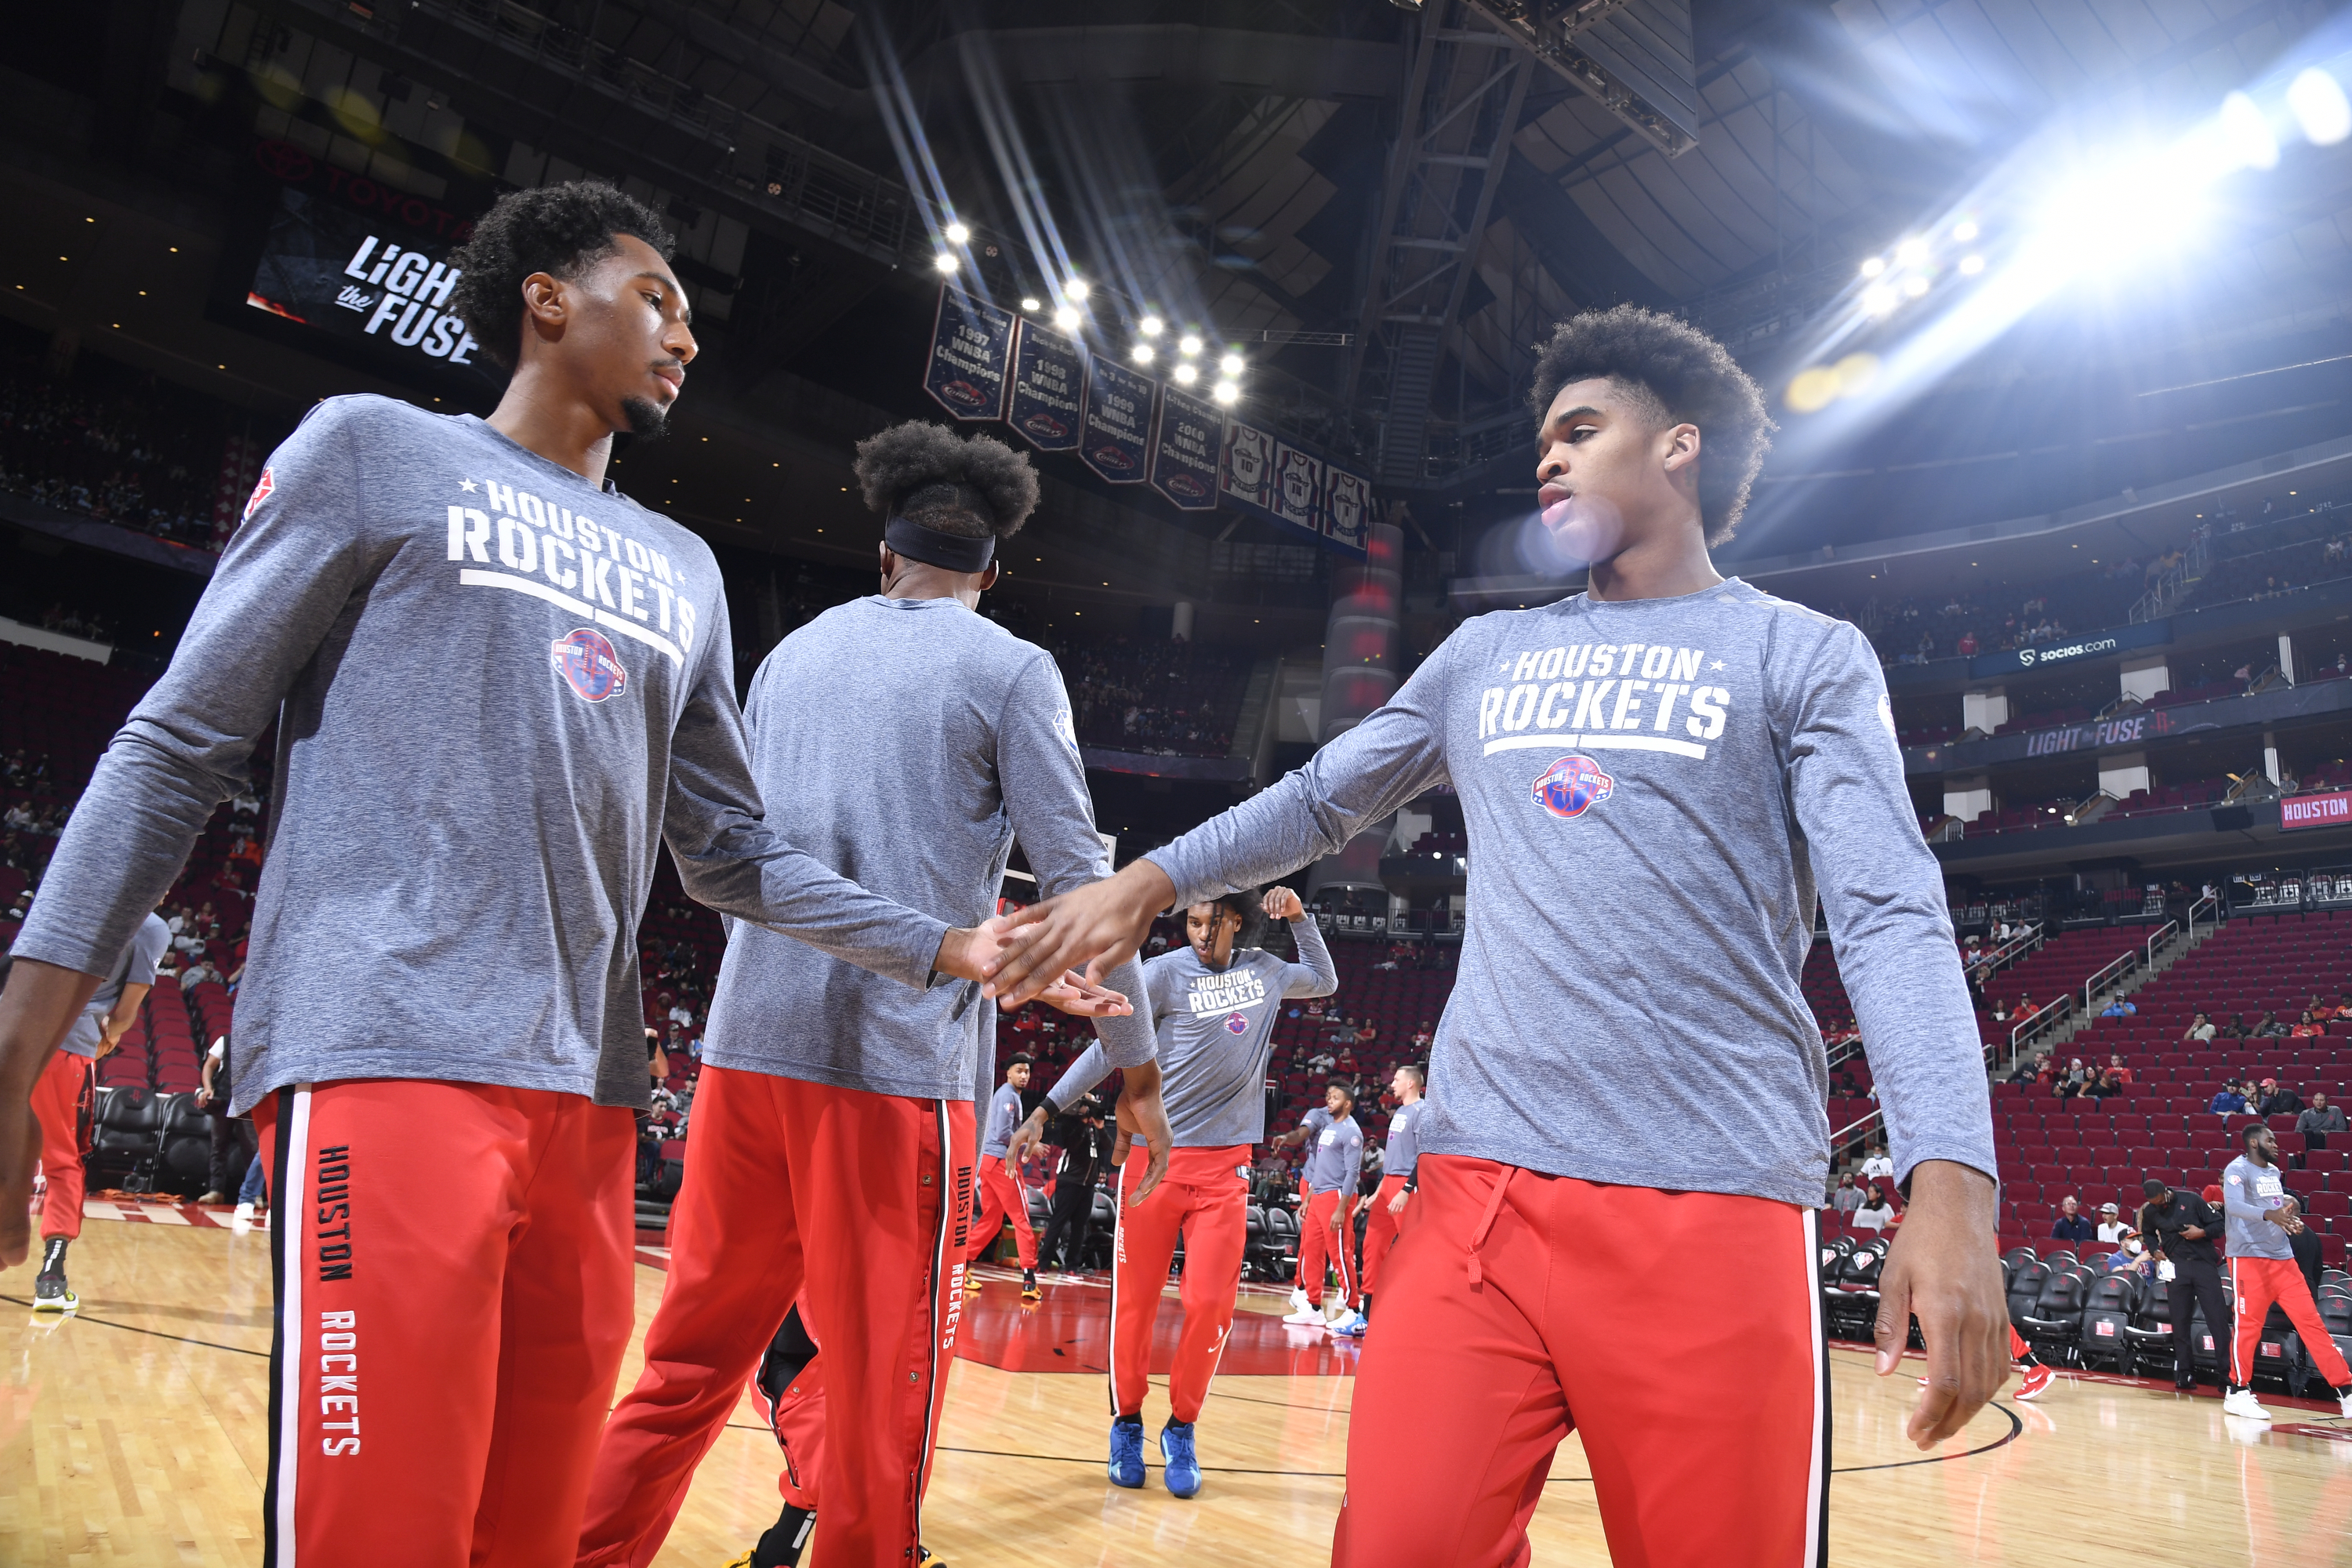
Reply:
x=110 y=444
x=1145 y=695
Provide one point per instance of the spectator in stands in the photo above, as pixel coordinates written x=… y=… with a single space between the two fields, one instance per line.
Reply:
x=2025 y=1008
x=2111 y=1228
x=1421 y=1039
x=2200 y=1028
x=2320 y=1116
x=2073 y=1224
x=2271 y=1027
x=2320 y=1009
x=657 y=1060
x=2308 y=1026
x=1967 y=644
x=2104 y=1084
x=2228 y=1102
x=2121 y=1007
x=2238 y=1028
x=2116 y=1066
x=2278 y=1099
x=1876 y=1166
x=1847 y=1197
x=1322 y=1061
x=2072 y=1081
x=1873 y=1213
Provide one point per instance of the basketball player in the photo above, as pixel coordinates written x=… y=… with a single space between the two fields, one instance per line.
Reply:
x=2260 y=1219
x=1399 y=1155
x=501 y=686
x=1215 y=1004
x=832 y=1152
x=63 y=1096
x=1661 y=777
x=1001 y=1193
x=1327 y=1226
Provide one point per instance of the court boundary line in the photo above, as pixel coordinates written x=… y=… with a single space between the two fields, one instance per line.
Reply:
x=81 y=1317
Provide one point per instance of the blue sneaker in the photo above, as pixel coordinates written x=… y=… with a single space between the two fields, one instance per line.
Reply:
x=1183 y=1474
x=1127 y=1453
x=1353 y=1325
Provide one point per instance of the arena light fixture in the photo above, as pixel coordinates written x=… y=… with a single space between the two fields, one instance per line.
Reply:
x=957 y=234
x=1031 y=302
x=1914 y=285
x=1190 y=343
x=1077 y=289
x=1232 y=364
x=1880 y=301
x=1141 y=354
x=1872 y=266
x=945 y=261
x=1150 y=326
x=1971 y=264
x=1965 y=231
x=1066 y=318
x=1187 y=374
x=1911 y=252
x=2320 y=109
x=1226 y=392
x=2246 y=133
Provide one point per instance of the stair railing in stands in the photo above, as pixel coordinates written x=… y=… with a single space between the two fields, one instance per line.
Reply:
x=2044 y=1019
x=2126 y=964
x=2211 y=905
x=1846 y=1136
x=2024 y=942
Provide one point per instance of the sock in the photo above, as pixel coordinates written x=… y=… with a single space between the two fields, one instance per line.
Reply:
x=780 y=1546
x=1135 y=1420
x=2029 y=1361
x=1176 y=1425
x=1366 y=1309
x=53 y=1259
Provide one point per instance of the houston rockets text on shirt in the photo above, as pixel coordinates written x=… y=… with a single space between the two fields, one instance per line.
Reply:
x=554 y=553
x=1632 y=696
x=1224 y=991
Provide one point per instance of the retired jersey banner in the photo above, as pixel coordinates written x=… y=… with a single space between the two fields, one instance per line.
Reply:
x=1118 y=421
x=1347 y=507
x=1049 y=378
x=972 y=352
x=1246 y=476
x=1298 y=487
x=1184 y=449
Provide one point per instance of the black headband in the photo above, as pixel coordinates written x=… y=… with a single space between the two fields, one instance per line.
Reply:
x=956 y=551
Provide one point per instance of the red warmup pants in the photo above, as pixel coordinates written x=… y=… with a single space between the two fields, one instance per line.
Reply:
x=1001 y=1198
x=61 y=1096
x=858 y=1205
x=1381 y=1229
x=1519 y=1307
x=453 y=1295
x=789 y=1390
x=2254 y=1283
x=1205 y=1198
x=1319 y=1244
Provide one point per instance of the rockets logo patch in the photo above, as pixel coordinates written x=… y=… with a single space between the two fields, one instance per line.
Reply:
x=1238 y=1023
x=1572 y=787
x=268 y=482
x=587 y=660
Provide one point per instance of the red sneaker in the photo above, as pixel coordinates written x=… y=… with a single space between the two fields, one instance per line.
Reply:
x=2037 y=1378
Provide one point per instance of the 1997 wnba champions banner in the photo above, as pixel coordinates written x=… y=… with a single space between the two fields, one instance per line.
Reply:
x=971 y=350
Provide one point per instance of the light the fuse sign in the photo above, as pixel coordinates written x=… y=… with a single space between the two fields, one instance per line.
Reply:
x=328 y=267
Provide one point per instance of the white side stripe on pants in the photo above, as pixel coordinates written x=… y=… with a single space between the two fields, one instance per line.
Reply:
x=288 y=1219
x=1817 y=1479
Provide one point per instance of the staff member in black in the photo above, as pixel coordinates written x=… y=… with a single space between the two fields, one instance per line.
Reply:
x=1083 y=1135
x=2181 y=1227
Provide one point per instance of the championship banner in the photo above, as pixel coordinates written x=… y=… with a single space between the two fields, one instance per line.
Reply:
x=1297 y=488
x=1347 y=508
x=1118 y=421
x=1184 y=448
x=1048 y=388
x=1245 y=475
x=971 y=352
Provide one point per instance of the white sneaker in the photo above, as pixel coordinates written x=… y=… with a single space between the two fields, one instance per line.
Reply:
x=2347 y=1398
x=2241 y=1402
x=244 y=1210
x=1305 y=1317
x=1298 y=1301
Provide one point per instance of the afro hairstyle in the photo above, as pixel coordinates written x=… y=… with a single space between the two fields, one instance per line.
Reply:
x=928 y=474
x=1689 y=378
x=560 y=230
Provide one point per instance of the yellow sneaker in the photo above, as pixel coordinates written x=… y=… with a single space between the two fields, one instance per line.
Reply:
x=742 y=1561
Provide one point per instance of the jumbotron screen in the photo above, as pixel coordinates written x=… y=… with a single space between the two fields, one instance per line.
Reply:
x=373 y=284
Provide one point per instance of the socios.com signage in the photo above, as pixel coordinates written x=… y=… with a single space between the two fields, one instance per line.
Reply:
x=2120 y=639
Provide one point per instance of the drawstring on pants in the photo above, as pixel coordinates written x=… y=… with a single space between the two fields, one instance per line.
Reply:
x=1486 y=1222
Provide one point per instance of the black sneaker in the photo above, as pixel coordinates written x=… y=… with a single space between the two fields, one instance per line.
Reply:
x=50 y=1291
x=781 y=1547
x=1029 y=1291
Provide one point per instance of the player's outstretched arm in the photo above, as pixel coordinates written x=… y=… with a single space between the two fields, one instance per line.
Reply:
x=1143 y=1115
x=1101 y=925
x=38 y=1005
x=1944 y=1269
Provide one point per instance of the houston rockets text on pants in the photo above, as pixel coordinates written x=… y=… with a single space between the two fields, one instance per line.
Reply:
x=2254 y=1283
x=1381 y=1229
x=61 y=1099
x=1002 y=1198
x=858 y=1205
x=1206 y=1197
x=1318 y=1242
x=443 y=1359
x=1518 y=1307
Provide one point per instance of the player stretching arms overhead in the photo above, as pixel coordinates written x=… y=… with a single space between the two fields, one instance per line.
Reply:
x=499 y=685
x=1327 y=1226
x=831 y=1160
x=1215 y=1004
x=2260 y=1217
x=1002 y=1196
x=1400 y=1157
x=1661 y=775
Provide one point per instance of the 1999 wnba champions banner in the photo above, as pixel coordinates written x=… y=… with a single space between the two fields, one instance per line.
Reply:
x=986 y=364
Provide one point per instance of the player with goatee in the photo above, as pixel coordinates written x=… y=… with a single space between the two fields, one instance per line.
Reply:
x=499 y=686
x=1662 y=777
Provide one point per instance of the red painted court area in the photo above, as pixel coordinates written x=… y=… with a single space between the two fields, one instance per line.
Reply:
x=1069 y=1330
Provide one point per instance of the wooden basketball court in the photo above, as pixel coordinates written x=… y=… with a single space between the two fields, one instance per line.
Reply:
x=134 y=1435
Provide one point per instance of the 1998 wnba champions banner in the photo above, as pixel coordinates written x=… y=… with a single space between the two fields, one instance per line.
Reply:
x=986 y=364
